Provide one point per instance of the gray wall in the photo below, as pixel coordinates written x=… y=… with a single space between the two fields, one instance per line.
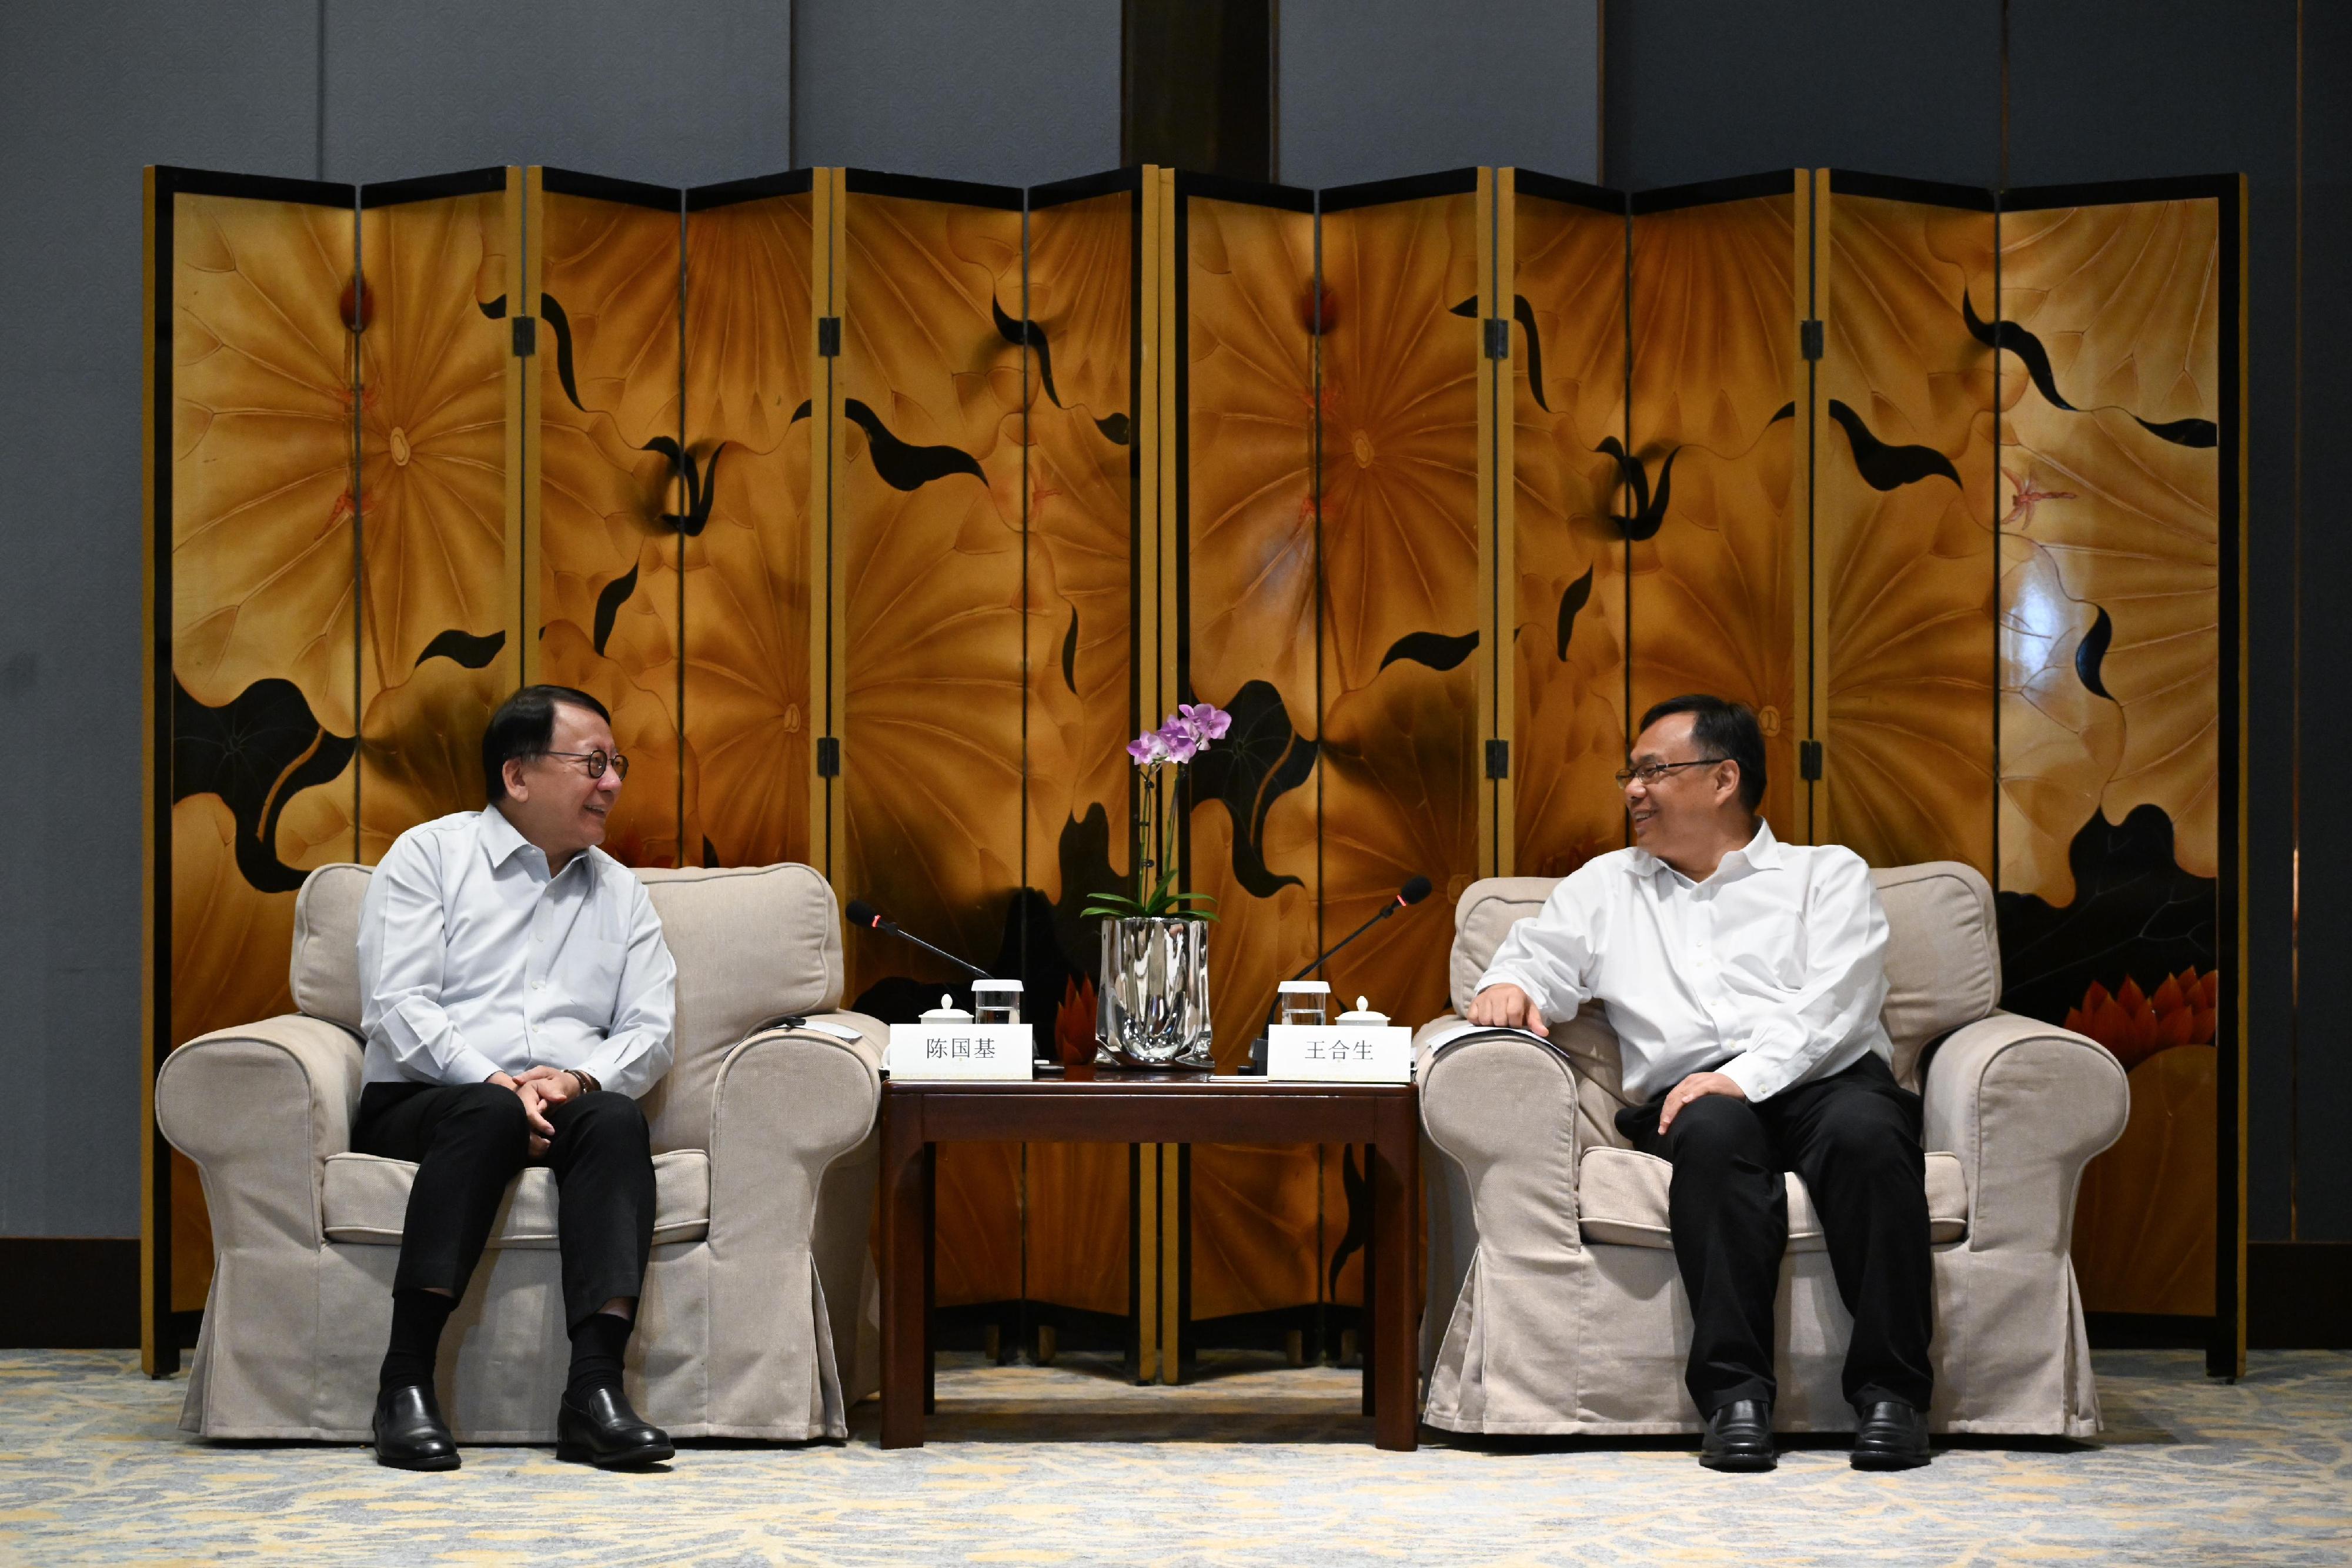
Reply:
x=2103 y=90
x=1015 y=93
x=685 y=92
x=1374 y=89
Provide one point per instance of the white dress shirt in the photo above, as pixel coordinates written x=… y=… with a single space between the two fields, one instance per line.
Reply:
x=1770 y=972
x=473 y=960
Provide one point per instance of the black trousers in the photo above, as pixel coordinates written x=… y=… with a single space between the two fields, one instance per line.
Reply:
x=470 y=1140
x=1854 y=1139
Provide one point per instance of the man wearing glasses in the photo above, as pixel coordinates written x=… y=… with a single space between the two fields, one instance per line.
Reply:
x=517 y=999
x=1744 y=978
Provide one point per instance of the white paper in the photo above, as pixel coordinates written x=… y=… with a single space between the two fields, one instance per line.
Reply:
x=1340 y=1053
x=945 y=1052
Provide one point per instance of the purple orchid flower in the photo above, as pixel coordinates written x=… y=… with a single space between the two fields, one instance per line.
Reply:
x=1208 y=720
x=1147 y=749
x=1180 y=740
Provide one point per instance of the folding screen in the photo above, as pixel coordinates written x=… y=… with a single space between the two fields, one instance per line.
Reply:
x=2121 y=746
x=1246 y=622
x=1084 y=283
x=881 y=511
x=930 y=539
x=250 y=434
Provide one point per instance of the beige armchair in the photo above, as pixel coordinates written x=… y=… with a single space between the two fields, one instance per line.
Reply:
x=754 y=1320
x=1554 y=1304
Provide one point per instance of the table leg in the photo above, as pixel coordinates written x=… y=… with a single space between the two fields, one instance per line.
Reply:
x=1368 y=1341
x=930 y=1162
x=905 y=1321
x=1392 y=1360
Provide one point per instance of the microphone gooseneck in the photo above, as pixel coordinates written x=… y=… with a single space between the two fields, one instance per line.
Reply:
x=861 y=913
x=1411 y=894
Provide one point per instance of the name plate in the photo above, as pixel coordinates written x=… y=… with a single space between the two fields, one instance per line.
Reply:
x=1340 y=1053
x=958 y=1051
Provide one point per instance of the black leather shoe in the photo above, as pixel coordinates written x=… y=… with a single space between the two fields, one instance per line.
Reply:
x=408 y=1432
x=602 y=1430
x=1739 y=1437
x=1893 y=1437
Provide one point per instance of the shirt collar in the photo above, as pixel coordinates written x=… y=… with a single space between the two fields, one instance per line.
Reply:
x=1762 y=852
x=500 y=839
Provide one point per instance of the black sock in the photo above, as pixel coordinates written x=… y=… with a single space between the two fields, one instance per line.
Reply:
x=417 y=1317
x=596 y=1346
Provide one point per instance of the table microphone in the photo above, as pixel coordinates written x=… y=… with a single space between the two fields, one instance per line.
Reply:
x=1411 y=894
x=864 y=914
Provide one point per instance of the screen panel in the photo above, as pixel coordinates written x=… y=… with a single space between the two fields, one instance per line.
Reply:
x=256 y=538
x=2119 y=470
x=440 y=557
x=1716 y=555
x=751 y=359
x=1903 y=523
x=610 y=503
x=1247 y=568
x=1400 y=528
x=1083 y=285
x=931 y=541
x=1569 y=600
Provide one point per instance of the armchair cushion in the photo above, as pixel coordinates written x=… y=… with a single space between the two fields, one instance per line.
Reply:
x=1943 y=956
x=325 y=973
x=366 y=1201
x=1621 y=1197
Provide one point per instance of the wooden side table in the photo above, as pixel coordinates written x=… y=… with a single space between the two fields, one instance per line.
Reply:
x=1084 y=1106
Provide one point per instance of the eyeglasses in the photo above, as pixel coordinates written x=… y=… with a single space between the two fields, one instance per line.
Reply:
x=593 y=763
x=1650 y=773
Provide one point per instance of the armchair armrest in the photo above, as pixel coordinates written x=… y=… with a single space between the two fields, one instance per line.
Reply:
x=795 y=1142
x=788 y=1102
x=1503 y=1112
x=259 y=1108
x=2025 y=1105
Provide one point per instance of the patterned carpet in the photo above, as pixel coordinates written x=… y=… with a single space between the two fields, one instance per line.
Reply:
x=1250 y=1465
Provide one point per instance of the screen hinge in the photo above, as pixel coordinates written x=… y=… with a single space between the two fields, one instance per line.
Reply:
x=526 y=335
x=1498 y=337
x=1809 y=338
x=828 y=756
x=828 y=337
x=1499 y=759
x=1808 y=760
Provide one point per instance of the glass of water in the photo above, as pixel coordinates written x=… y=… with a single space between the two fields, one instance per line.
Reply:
x=1306 y=1002
x=996 y=1002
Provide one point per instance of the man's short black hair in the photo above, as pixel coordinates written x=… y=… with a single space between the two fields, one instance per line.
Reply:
x=524 y=726
x=1722 y=728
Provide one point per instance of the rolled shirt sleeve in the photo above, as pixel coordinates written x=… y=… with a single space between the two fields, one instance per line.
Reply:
x=636 y=1050
x=403 y=951
x=1843 y=988
x=1551 y=956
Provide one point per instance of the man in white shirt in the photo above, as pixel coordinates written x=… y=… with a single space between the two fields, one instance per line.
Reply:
x=1744 y=978
x=517 y=997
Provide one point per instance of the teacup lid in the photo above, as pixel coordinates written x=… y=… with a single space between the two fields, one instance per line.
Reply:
x=1364 y=1016
x=995 y=986
x=1306 y=988
x=946 y=1012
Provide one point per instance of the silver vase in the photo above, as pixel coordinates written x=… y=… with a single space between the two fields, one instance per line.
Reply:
x=1154 y=1007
